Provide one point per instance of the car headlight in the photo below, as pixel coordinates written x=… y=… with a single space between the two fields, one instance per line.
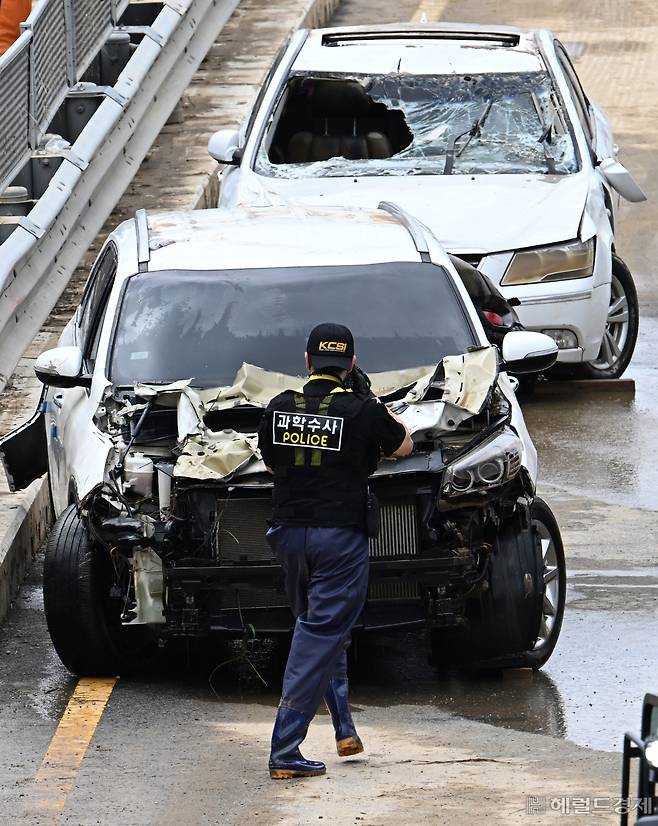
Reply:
x=572 y=259
x=490 y=465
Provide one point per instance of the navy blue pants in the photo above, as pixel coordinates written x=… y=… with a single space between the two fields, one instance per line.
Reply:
x=326 y=577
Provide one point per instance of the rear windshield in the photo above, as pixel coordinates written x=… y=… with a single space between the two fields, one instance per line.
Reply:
x=203 y=325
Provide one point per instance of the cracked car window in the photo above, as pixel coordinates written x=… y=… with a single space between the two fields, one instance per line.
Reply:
x=203 y=325
x=335 y=126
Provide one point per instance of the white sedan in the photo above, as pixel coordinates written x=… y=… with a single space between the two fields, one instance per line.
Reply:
x=485 y=134
x=189 y=325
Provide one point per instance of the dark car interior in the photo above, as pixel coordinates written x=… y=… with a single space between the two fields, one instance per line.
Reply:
x=326 y=119
x=496 y=312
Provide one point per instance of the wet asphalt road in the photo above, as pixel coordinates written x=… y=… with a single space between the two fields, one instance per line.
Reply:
x=598 y=469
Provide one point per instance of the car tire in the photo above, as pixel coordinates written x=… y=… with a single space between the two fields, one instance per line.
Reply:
x=621 y=334
x=555 y=582
x=497 y=629
x=83 y=618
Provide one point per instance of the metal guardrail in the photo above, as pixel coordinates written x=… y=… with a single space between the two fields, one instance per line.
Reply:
x=14 y=107
x=39 y=256
x=58 y=42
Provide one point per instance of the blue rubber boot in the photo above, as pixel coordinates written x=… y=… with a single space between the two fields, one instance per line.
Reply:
x=348 y=741
x=286 y=760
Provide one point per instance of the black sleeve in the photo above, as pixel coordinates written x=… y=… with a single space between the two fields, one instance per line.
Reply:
x=386 y=431
x=265 y=438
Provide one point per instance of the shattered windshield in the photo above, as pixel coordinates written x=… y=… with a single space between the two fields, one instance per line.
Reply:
x=509 y=123
x=203 y=325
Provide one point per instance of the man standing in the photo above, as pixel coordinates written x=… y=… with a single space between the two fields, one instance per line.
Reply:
x=322 y=443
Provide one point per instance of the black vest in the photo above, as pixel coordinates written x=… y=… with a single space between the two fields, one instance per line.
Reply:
x=320 y=469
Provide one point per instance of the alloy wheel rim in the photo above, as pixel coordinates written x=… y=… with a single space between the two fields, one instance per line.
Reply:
x=616 y=330
x=551 y=576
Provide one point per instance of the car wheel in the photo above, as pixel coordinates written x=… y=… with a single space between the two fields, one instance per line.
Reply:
x=621 y=328
x=493 y=639
x=84 y=593
x=555 y=585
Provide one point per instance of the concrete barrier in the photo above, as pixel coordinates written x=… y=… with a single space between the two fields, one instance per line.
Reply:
x=26 y=526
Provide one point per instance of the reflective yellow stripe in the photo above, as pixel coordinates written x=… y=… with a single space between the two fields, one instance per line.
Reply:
x=323 y=409
x=56 y=776
x=327 y=377
x=300 y=407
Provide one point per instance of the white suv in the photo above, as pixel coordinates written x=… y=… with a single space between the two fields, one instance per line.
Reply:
x=484 y=134
x=189 y=325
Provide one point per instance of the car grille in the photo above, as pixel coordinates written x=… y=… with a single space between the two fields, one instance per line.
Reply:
x=240 y=536
x=393 y=590
x=254 y=598
x=275 y=598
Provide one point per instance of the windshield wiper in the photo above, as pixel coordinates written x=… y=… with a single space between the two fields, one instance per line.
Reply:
x=473 y=132
x=546 y=135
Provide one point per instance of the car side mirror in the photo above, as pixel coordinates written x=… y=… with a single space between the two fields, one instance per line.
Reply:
x=621 y=180
x=61 y=367
x=224 y=145
x=527 y=352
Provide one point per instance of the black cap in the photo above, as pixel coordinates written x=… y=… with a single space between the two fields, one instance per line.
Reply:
x=330 y=345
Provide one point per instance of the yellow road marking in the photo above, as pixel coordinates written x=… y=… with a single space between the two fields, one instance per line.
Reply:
x=56 y=776
x=432 y=9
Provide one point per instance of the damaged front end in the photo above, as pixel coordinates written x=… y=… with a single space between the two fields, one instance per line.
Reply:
x=184 y=507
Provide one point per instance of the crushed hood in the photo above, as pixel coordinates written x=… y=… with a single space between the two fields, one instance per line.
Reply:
x=483 y=213
x=465 y=383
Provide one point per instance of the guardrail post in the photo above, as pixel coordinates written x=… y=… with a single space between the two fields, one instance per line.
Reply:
x=71 y=59
x=33 y=130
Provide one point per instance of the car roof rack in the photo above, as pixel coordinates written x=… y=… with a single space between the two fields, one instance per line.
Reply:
x=503 y=38
x=411 y=224
x=142 y=233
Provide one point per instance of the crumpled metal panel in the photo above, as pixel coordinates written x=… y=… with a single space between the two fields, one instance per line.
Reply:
x=49 y=60
x=93 y=23
x=14 y=102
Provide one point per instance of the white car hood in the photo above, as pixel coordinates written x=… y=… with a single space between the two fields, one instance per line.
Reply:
x=483 y=213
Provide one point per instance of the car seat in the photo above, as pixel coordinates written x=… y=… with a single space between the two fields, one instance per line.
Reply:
x=339 y=114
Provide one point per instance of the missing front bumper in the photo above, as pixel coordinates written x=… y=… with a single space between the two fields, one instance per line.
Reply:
x=225 y=598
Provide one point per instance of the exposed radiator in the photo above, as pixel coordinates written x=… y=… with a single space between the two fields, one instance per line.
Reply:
x=242 y=523
x=398 y=532
x=240 y=533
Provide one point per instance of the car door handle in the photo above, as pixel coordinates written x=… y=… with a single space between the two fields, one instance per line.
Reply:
x=57 y=400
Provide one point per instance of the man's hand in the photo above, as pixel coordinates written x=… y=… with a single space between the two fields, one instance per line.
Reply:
x=358 y=382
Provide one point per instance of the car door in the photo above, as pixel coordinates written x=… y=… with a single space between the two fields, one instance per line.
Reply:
x=69 y=408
